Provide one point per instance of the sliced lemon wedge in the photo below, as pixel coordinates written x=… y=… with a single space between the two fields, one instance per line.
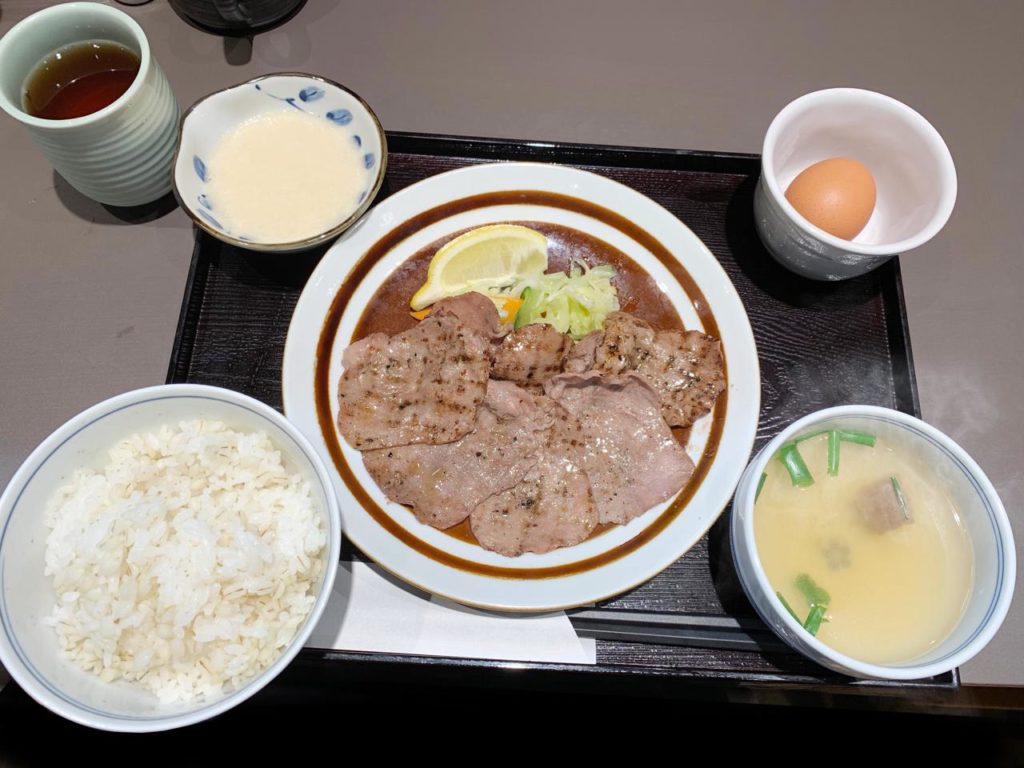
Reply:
x=483 y=259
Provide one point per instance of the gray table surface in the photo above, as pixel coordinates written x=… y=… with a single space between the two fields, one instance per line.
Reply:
x=89 y=303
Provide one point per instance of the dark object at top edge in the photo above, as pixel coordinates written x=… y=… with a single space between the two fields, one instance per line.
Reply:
x=233 y=18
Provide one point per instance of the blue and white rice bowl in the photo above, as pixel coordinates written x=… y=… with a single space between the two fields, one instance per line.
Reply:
x=207 y=122
x=29 y=646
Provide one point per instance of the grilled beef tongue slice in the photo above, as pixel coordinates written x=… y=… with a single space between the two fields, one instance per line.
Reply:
x=531 y=354
x=423 y=385
x=551 y=507
x=684 y=367
x=476 y=311
x=581 y=357
x=443 y=483
x=630 y=456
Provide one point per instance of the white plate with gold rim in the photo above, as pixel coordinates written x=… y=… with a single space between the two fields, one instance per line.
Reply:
x=685 y=274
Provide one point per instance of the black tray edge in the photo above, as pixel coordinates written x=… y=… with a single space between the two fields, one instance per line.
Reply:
x=185 y=333
x=905 y=378
x=565 y=152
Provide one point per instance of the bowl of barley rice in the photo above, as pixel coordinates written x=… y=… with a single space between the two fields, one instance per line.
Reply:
x=163 y=556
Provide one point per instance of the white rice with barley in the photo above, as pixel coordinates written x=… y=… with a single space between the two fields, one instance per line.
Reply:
x=187 y=564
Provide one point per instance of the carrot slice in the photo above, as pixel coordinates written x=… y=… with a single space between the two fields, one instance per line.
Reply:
x=509 y=307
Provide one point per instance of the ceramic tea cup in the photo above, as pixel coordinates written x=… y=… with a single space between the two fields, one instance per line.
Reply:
x=120 y=154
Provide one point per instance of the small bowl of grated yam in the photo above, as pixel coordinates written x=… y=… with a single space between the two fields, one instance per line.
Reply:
x=163 y=556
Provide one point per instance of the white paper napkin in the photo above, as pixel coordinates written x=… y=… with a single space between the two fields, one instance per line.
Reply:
x=370 y=610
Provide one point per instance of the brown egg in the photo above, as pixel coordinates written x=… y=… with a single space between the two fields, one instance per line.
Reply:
x=836 y=195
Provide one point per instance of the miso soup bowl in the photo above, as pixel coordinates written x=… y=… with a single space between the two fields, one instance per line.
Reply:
x=214 y=117
x=981 y=511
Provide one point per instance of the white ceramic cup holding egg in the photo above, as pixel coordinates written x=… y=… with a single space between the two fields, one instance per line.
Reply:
x=913 y=170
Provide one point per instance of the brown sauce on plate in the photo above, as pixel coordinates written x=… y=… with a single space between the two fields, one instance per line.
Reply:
x=388 y=312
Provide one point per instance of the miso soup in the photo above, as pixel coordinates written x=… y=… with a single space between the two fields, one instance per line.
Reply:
x=864 y=545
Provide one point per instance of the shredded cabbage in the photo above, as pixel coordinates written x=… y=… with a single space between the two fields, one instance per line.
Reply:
x=575 y=303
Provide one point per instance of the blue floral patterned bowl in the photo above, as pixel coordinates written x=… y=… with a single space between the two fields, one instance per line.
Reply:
x=212 y=118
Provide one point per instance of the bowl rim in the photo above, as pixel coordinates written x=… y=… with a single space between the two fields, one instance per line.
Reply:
x=71 y=709
x=295 y=245
x=928 y=134
x=910 y=670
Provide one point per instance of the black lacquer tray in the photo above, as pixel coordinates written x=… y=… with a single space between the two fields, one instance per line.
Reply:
x=819 y=345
